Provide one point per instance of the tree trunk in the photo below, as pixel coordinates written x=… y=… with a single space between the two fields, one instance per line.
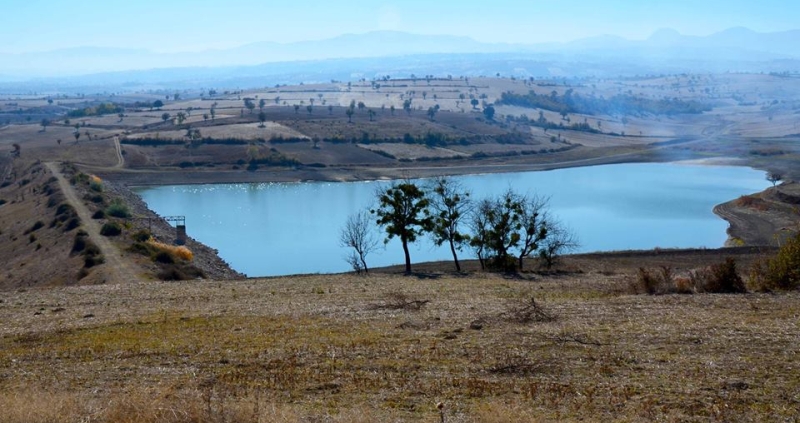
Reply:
x=520 y=262
x=408 y=257
x=455 y=257
x=363 y=262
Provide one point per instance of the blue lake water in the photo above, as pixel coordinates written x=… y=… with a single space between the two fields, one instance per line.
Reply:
x=272 y=229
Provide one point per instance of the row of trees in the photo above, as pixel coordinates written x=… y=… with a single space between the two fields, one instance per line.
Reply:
x=621 y=104
x=502 y=230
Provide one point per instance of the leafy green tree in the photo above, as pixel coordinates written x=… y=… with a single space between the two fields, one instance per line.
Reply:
x=407 y=106
x=213 y=112
x=511 y=227
x=262 y=117
x=501 y=233
x=158 y=104
x=432 y=113
x=261 y=104
x=474 y=102
x=403 y=213
x=165 y=116
x=249 y=104
x=45 y=123
x=181 y=117
x=349 y=113
x=774 y=177
x=450 y=204
x=489 y=111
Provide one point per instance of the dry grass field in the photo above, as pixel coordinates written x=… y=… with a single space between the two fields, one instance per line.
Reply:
x=342 y=348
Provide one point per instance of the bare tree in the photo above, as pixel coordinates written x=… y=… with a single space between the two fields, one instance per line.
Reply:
x=559 y=240
x=357 y=234
x=534 y=228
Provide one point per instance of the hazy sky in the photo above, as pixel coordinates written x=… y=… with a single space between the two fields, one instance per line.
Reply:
x=181 y=25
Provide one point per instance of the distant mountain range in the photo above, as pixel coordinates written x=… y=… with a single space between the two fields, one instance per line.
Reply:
x=666 y=46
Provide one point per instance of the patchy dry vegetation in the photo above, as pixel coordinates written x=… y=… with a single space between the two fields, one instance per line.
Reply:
x=566 y=347
x=580 y=342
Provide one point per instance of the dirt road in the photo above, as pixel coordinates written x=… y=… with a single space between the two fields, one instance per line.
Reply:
x=116 y=268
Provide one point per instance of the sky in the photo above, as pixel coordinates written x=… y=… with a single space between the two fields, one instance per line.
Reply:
x=196 y=25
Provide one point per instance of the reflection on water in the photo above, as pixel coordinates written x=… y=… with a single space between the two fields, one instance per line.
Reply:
x=286 y=228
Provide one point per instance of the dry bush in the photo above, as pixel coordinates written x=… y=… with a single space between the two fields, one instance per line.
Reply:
x=684 y=285
x=400 y=301
x=41 y=407
x=180 y=272
x=719 y=278
x=168 y=406
x=778 y=273
x=653 y=282
x=527 y=311
x=499 y=411
x=753 y=202
x=180 y=252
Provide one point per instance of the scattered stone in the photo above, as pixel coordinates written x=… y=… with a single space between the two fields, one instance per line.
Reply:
x=476 y=324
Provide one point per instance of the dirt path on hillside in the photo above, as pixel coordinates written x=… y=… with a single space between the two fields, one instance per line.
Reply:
x=116 y=267
x=118 y=150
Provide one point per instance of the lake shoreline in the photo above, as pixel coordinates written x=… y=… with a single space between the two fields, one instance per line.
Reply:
x=154 y=178
x=545 y=181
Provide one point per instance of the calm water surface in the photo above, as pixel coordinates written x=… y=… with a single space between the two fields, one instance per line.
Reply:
x=287 y=228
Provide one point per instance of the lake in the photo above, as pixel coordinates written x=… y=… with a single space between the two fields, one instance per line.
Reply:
x=270 y=229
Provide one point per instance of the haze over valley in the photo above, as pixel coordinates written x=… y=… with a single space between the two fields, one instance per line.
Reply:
x=462 y=212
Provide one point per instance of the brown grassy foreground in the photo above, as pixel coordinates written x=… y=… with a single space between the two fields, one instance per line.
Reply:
x=341 y=348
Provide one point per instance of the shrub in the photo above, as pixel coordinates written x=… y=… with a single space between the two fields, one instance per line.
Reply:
x=111 y=229
x=143 y=248
x=164 y=257
x=79 y=244
x=96 y=198
x=36 y=226
x=177 y=272
x=96 y=186
x=781 y=272
x=100 y=214
x=142 y=235
x=65 y=209
x=118 y=209
x=719 y=278
x=91 y=252
x=91 y=261
x=652 y=282
x=180 y=252
x=72 y=224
